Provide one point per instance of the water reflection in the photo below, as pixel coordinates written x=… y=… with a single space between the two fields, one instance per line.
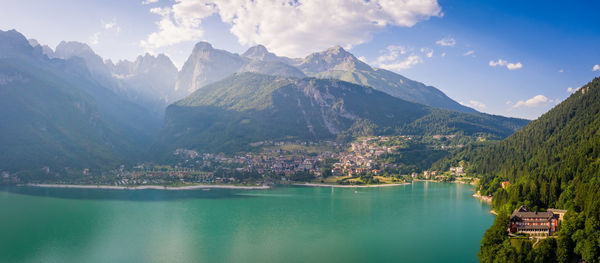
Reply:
x=131 y=195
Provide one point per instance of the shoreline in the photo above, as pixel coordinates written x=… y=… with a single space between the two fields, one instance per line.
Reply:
x=149 y=187
x=487 y=199
x=349 y=186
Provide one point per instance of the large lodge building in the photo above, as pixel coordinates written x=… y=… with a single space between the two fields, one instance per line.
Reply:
x=539 y=224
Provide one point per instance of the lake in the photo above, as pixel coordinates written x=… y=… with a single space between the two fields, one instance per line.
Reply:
x=422 y=222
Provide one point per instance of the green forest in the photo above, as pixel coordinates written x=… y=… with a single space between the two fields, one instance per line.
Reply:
x=551 y=163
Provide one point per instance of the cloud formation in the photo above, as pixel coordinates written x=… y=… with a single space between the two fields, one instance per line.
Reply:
x=398 y=57
x=95 y=38
x=106 y=28
x=596 y=68
x=427 y=51
x=469 y=53
x=475 y=104
x=536 y=101
x=446 y=42
x=508 y=65
x=290 y=28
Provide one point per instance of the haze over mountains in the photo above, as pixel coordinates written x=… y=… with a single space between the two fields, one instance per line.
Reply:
x=100 y=113
x=56 y=114
x=154 y=81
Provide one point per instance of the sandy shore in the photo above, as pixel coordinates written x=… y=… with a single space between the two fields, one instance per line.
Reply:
x=349 y=186
x=487 y=199
x=155 y=187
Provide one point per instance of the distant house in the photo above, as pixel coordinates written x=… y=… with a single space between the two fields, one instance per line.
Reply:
x=429 y=174
x=458 y=171
x=540 y=224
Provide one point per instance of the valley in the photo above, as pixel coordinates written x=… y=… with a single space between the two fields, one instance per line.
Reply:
x=255 y=120
x=233 y=112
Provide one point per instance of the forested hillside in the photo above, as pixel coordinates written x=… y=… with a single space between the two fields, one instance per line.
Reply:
x=229 y=115
x=56 y=119
x=554 y=162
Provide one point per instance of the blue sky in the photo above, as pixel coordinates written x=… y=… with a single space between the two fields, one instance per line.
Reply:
x=512 y=58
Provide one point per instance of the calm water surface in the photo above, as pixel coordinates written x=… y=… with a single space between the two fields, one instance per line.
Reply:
x=422 y=222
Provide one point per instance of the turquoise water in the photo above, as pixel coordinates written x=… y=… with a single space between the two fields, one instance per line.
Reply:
x=422 y=222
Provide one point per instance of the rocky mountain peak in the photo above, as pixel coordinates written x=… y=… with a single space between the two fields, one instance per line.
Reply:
x=334 y=58
x=202 y=45
x=66 y=49
x=13 y=43
x=257 y=52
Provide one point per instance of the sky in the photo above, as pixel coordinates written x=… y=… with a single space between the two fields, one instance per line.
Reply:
x=511 y=58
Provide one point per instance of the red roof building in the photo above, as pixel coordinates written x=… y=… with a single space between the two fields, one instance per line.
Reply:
x=540 y=224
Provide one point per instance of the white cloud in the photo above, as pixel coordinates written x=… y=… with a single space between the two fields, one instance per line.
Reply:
x=395 y=59
x=147 y=2
x=561 y=70
x=393 y=52
x=596 y=68
x=536 y=101
x=178 y=24
x=428 y=52
x=398 y=57
x=509 y=65
x=513 y=66
x=403 y=64
x=291 y=28
x=500 y=62
x=470 y=53
x=110 y=25
x=475 y=104
x=444 y=54
x=95 y=38
x=446 y=42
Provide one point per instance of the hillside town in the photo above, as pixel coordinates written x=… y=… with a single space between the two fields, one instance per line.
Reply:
x=276 y=162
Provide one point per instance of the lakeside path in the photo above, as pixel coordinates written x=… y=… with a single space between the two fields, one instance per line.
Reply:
x=153 y=187
x=349 y=186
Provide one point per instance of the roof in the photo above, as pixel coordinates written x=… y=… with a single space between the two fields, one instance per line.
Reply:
x=524 y=212
x=533 y=214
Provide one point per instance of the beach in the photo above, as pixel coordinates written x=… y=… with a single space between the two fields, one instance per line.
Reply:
x=153 y=187
x=349 y=186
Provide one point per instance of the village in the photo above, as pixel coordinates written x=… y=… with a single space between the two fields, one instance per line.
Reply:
x=289 y=161
x=276 y=162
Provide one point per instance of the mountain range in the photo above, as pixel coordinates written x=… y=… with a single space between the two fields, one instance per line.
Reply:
x=154 y=82
x=207 y=65
x=248 y=107
x=55 y=114
x=70 y=108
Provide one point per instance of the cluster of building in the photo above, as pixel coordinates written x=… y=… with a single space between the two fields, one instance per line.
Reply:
x=267 y=162
x=7 y=178
x=359 y=159
x=362 y=157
